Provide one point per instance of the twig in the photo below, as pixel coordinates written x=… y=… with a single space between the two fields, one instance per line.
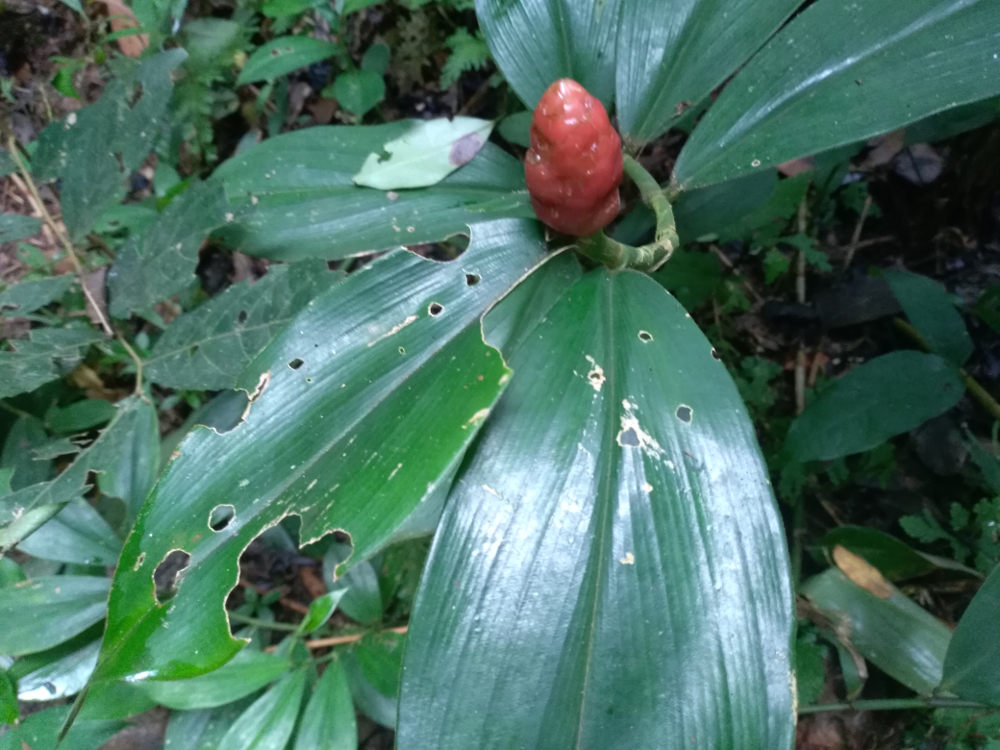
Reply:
x=893 y=704
x=340 y=640
x=67 y=244
x=853 y=247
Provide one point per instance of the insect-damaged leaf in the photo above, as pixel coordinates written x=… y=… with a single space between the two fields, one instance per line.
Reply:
x=613 y=543
x=365 y=403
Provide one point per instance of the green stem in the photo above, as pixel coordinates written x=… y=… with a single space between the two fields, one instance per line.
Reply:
x=892 y=704
x=258 y=623
x=614 y=254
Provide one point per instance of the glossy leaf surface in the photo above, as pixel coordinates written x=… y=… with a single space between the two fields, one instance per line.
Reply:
x=834 y=76
x=62 y=677
x=894 y=633
x=973 y=659
x=613 y=543
x=537 y=41
x=296 y=199
x=883 y=397
x=46 y=611
x=245 y=673
x=77 y=534
x=672 y=55
x=364 y=404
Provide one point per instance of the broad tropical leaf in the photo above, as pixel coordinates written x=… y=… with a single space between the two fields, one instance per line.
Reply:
x=613 y=543
x=837 y=74
x=362 y=407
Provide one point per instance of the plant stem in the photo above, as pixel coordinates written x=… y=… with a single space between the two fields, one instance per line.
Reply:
x=59 y=231
x=258 y=623
x=892 y=704
x=975 y=389
x=339 y=640
x=614 y=254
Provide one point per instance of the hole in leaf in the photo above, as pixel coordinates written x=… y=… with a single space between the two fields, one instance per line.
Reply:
x=401 y=350
x=645 y=336
x=715 y=354
x=221 y=516
x=168 y=574
x=435 y=309
x=684 y=413
x=135 y=95
x=471 y=279
x=296 y=363
x=242 y=317
x=628 y=437
x=139 y=561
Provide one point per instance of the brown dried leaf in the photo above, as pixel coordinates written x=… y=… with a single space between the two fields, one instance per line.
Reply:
x=861 y=572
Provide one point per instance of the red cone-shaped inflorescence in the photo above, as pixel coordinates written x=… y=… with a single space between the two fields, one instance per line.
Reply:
x=574 y=165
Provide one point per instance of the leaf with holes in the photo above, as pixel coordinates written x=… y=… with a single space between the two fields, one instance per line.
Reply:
x=295 y=197
x=362 y=406
x=208 y=347
x=613 y=542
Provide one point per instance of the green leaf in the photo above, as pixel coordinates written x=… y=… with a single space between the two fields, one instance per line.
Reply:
x=15 y=227
x=898 y=636
x=973 y=659
x=297 y=200
x=202 y=729
x=932 y=312
x=810 y=675
x=376 y=58
x=362 y=406
x=357 y=91
x=47 y=355
x=361 y=596
x=328 y=720
x=595 y=547
x=42 y=612
x=95 y=149
x=245 y=673
x=74 y=4
x=77 y=534
x=537 y=41
x=8 y=699
x=283 y=55
x=776 y=263
x=833 y=75
x=516 y=128
x=425 y=154
x=269 y=721
x=281 y=8
x=161 y=262
x=79 y=416
x=26 y=434
x=671 y=57
x=884 y=397
x=319 y=612
x=40 y=731
x=125 y=455
x=692 y=277
x=62 y=677
x=207 y=348
x=468 y=52
x=380 y=658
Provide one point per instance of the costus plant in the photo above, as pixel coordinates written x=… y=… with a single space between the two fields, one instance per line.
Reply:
x=608 y=565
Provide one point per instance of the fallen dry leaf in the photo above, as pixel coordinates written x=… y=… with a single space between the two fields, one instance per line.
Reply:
x=861 y=572
x=123 y=18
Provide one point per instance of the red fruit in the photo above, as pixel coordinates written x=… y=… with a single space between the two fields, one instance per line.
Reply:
x=574 y=165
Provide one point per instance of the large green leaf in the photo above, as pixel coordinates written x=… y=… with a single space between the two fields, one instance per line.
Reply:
x=77 y=534
x=43 y=612
x=973 y=659
x=537 y=41
x=885 y=396
x=268 y=722
x=208 y=347
x=842 y=72
x=893 y=632
x=365 y=403
x=28 y=296
x=613 y=543
x=671 y=55
x=296 y=198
